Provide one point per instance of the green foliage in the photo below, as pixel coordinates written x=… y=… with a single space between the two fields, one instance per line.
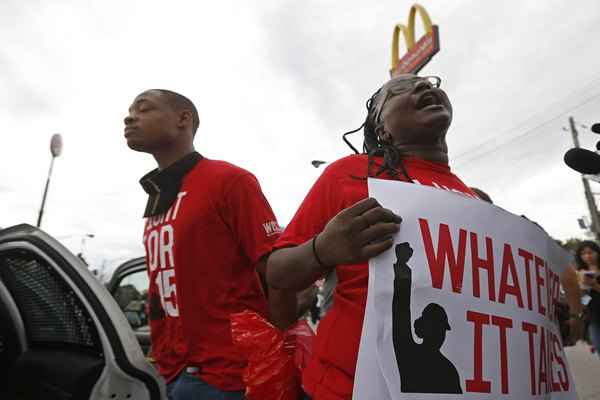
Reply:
x=570 y=244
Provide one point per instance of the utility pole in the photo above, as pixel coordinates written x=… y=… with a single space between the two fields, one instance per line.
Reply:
x=589 y=197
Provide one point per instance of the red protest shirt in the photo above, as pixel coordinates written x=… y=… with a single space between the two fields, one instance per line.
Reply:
x=201 y=256
x=330 y=373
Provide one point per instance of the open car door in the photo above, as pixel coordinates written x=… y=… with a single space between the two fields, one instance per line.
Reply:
x=62 y=335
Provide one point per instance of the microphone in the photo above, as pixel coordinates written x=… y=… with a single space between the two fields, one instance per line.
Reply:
x=583 y=161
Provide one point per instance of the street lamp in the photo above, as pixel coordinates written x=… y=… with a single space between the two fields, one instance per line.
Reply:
x=86 y=236
x=317 y=163
x=83 y=236
x=56 y=145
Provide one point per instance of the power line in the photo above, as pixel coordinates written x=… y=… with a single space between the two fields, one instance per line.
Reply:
x=558 y=102
x=515 y=138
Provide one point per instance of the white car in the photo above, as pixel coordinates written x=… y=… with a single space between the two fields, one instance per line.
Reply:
x=62 y=334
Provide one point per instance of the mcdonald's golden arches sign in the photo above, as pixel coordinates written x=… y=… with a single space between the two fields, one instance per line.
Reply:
x=418 y=53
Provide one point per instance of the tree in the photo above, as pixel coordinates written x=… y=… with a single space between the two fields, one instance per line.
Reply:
x=570 y=245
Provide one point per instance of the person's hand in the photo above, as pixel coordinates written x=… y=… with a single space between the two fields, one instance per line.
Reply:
x=306 y=299
x=589 y=280
x=402 y=271
x=357 y=233
x=403 y=253
x=576 y=328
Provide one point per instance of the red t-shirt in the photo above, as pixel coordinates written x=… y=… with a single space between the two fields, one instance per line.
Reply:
x=201 y=256
x=330 y=373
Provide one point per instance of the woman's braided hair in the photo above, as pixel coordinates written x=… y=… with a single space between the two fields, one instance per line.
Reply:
x=374 y=146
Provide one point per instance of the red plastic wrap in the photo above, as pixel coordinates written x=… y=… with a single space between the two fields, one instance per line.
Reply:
x=275 y=359
x=301 y=336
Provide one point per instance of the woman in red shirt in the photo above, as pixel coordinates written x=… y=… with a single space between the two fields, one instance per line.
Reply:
x=338 y=226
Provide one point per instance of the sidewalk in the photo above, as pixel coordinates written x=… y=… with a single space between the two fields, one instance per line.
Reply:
x=585 y=367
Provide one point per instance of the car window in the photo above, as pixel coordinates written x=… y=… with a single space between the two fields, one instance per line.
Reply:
x=131 y=294
x=52 y=312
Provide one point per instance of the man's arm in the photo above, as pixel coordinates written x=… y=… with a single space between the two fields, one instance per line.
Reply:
x=282 y=303
x=570 y=284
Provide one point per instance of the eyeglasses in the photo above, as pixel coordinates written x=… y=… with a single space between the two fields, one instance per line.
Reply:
x=406 y=85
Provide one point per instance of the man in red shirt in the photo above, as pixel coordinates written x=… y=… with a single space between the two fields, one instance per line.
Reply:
x=207 y=234
x=337 y=226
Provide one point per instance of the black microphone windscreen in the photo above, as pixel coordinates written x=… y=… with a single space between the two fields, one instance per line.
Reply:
x=584 y=161
x=596 y=128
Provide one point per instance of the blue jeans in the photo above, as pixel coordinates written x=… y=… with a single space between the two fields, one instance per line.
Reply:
x=594 y=334
x=189 y=387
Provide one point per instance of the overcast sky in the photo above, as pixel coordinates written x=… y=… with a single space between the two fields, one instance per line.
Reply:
x=276 y=84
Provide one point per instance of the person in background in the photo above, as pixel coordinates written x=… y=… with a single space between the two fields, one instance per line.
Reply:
x=207 y=235
x=587 y=258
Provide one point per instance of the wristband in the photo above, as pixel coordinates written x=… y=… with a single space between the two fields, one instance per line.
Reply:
x=314 y=250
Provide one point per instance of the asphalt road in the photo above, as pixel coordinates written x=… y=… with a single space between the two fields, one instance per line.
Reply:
x=585 y=367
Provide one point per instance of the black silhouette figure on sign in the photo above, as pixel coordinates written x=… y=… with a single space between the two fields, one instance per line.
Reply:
x=423 y=368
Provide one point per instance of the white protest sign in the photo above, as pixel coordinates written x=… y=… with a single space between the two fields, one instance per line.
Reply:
x=368 y=364
x=463 y=304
